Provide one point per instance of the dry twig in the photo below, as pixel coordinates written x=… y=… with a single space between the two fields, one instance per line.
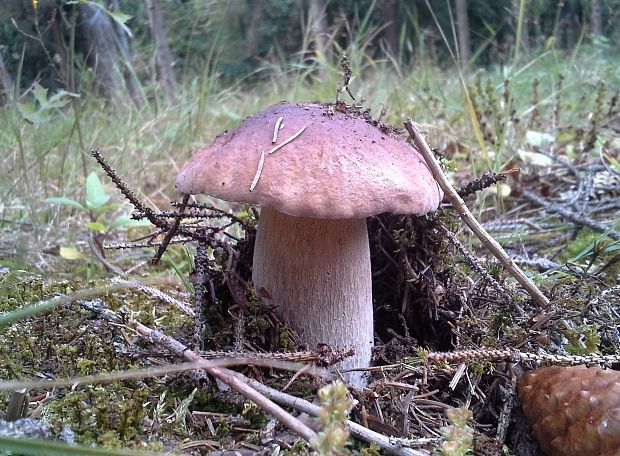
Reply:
x=469 y=219
x=225 y=375
x=156 y=293
x=254 y=391
x=499 y=355
x=200 y=323
x=171 y=232
x=486 y=180
x=127 y=193
x=565 y=213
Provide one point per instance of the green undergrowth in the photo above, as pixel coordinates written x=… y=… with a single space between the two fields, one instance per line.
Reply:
x=69 y=341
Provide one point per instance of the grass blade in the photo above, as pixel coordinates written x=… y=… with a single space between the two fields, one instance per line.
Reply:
x=34 y=447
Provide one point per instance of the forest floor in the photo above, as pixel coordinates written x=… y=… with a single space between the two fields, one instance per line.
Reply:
x=556 y=119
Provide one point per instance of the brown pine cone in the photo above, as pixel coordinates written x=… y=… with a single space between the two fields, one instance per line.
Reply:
x=573 y=411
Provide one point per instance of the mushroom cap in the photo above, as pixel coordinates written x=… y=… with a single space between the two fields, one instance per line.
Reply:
x=342 y=166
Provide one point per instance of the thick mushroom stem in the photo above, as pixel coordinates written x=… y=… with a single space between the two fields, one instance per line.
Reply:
x=318 y=274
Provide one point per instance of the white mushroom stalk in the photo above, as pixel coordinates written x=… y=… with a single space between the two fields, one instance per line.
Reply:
x=318 y=272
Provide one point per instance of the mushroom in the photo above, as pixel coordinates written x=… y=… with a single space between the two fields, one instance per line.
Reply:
x=573 y=411
x=311 y=255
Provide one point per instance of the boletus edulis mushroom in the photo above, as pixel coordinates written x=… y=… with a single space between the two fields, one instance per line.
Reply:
x=330 y=171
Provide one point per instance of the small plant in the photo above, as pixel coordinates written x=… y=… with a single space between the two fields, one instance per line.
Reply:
x=96 y=207
x=40 y=108
x=458 y=435
x=334 y=412
x=182 y=412
x=583 y=340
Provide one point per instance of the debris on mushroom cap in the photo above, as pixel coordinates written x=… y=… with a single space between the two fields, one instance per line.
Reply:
x=341 y=167
x=573 y=410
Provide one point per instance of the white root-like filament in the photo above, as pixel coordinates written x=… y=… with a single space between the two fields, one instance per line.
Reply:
x=259 y=170
x=275 y=130
x=279 y=146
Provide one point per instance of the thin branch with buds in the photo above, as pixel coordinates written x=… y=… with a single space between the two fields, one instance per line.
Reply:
x=499 y=355
x=127 y=192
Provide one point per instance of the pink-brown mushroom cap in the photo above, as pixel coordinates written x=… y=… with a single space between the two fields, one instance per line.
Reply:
x=341 y=166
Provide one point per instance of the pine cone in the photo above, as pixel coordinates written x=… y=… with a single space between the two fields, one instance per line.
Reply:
x=573 y=411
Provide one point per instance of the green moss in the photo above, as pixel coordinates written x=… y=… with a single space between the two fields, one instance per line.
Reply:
x=372 y=450
x=222 y=430
x=101 y=413
x=286 y=341
x=255 y=415
x=583 y=340
x=71 y=342
x=300 y=447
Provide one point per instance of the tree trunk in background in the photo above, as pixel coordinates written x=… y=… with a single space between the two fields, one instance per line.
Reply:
x=389 y=17
x=107 y=51
x=571 y=30
x=320 y=34
x=462 y=31
x=5 y=80
x=525 y=32
x=596 y=18
x=131 y=80
x=251 y=36
x=163 y=56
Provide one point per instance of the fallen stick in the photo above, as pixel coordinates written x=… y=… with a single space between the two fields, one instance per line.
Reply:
x=227 y=376
x=359 y=431
x=254 y=391
x=486 y=239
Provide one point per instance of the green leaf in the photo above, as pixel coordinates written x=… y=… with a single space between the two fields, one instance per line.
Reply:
x=121 y=19
x=613 y=247
x=538 y=139
x=96 y=226
x=31 y=114
x=65 y=201
x=167 y=259
x=125 y=221
x=117 y=16
x=589 y=249
x=106 y=208
x=550 y=43
x=565 y=136
x=40 y=114
x=69 y=253
x=95 y=193
x=15 y=267
x=40 y=93
x=60 y=99
x=534 y=158
x=612 y=163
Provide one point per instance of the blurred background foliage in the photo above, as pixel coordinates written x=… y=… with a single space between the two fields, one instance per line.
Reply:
x=241 y=38
x=488 y=77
